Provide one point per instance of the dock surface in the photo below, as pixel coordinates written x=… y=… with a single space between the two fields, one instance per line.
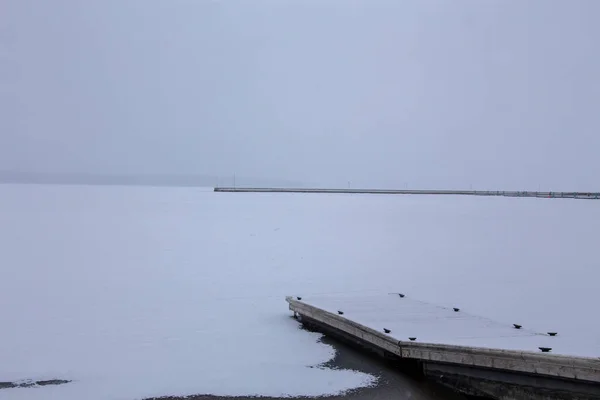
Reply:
x=452 y=342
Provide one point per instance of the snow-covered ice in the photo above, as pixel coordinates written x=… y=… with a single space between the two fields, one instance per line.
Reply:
x=134 y=292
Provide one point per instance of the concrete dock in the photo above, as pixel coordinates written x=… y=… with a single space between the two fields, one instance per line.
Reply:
x=471 y=354
x=558 y=195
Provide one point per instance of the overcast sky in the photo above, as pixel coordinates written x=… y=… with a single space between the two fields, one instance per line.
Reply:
x=424 y=93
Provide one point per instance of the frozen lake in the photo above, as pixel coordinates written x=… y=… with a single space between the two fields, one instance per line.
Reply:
x=135 y=292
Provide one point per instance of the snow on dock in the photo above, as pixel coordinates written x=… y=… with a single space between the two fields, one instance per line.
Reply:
x=407 y=317
x=410 y=328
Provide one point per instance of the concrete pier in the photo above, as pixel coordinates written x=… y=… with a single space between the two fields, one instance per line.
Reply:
x=470 y=354
x=558 y=195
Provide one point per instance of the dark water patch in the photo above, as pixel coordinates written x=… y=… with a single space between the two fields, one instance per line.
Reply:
x=31 y=383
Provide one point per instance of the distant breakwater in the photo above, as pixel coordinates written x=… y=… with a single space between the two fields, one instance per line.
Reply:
x=504 y=193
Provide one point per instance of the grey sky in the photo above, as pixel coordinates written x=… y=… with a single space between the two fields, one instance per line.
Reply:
x=447 y=93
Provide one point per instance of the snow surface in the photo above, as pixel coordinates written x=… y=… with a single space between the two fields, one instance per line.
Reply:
x=135 y=292
x=405 y=317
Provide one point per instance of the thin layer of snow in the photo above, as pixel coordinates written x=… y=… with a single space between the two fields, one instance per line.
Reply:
x=405 y=317
x=138 y=292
